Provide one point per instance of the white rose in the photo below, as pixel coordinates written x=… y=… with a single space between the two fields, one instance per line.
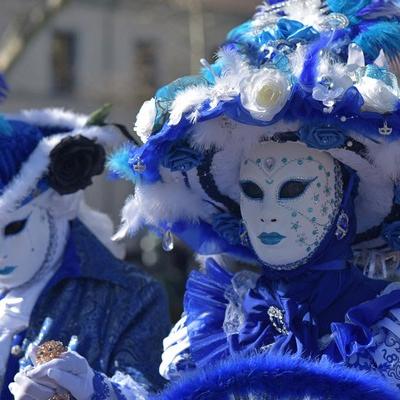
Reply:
x=145 y=119
x=378 y=97
x=265 y=93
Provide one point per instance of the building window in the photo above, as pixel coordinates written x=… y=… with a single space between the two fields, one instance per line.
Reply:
x=145 y=69
x=63 y=61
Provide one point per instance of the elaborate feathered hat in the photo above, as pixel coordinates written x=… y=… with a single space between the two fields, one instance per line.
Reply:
x=51 y=149
x=323 y=73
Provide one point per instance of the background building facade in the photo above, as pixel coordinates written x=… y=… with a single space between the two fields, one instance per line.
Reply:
x=118 y=51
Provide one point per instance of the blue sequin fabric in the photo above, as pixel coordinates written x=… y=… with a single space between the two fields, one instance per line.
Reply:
x=101 y=388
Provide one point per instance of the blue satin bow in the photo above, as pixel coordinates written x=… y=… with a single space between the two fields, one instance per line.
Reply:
x=283 y=38
x=308 y=305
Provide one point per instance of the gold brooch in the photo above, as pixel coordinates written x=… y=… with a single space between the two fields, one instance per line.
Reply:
x=49 y=351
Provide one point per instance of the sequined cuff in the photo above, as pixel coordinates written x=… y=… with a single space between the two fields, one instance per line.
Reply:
x=118 y=391
x=101 y=386
x=119 y=387
x=126 y=387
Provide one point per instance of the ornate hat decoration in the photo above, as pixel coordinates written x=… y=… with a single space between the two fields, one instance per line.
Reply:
x=323 y=73
x=50 y=149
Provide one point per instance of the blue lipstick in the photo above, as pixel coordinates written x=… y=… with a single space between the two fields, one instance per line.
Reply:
x=271 y=239
x=7 y=270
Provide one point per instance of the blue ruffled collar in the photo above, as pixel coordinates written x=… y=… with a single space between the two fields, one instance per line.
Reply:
x=283 y=315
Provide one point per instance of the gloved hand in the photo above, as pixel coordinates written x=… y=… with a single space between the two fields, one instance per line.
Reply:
x=71 y=372
x=25 y=388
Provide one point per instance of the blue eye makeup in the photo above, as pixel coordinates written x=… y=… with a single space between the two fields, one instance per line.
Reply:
x=252 y=190
x=294 y=188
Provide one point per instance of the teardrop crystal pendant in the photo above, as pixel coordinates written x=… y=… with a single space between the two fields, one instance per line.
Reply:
x=168 y=241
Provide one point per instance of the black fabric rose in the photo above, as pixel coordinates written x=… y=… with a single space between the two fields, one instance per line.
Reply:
x=322 y=137
x=73 y=163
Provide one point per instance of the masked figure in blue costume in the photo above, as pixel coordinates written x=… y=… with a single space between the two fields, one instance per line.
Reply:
x=61 y=277
x=283 y=154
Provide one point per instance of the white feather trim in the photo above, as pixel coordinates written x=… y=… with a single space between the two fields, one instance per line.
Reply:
x=387 y=159
x=186 y=101
x=297 y=59
x=102 y=227
x=51 y=117
x=233 y=62
x=226 y=170
x=153 y=204
x=308 y=12
x=145 y=119
x=131 y=220
x=371 y=206
x=226 y=87
x=213 y=133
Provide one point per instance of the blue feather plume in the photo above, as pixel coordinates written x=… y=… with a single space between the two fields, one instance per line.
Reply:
x=386 y=9
x=309 y=73
x=278 y=377
x=350 y=8
x=118 y=163
x=380 y=36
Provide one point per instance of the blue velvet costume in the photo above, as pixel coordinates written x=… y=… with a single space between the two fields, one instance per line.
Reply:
x=118 y=313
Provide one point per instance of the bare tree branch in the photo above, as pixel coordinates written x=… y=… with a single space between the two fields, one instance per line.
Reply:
x=22 y=30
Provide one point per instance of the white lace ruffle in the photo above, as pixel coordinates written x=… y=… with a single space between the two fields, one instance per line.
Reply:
x=128 y=387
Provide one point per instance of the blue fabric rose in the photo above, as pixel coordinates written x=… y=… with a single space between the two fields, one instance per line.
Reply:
x=181 y=157
x=391 y=234
x=283 y=38
x=295 y=31
x=322 y=137
x=227 y=227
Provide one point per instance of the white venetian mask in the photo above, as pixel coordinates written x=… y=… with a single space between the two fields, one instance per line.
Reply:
x=290 y=196
x=29 y=238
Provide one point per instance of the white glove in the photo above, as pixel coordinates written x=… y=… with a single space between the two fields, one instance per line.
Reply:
x=25 y=388
x=70 y=372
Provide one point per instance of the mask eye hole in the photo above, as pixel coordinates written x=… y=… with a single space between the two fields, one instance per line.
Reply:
x=252 y=190
x=15 y=227
x=293 y=188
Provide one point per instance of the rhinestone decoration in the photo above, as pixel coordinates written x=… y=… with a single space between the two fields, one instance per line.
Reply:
x=342 y=226
x=269 y=163
x=168 y=241
x=139 y=166
x=385 y=130
x=276 y=316
x=60 y=396
x=335 y=21
x=49 y=351
x=16 y=350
